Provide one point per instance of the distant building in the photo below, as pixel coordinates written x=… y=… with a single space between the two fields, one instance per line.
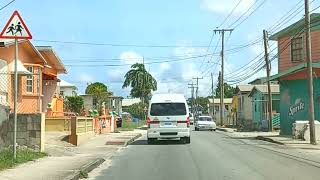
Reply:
x=112 y=103
x=66 y=89
x=214 y=109
x=259 y=96
x=126 y=102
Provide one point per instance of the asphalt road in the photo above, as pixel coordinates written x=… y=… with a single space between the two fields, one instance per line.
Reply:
x=211 y=155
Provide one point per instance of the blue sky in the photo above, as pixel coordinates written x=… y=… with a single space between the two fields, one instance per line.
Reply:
x=184 y=25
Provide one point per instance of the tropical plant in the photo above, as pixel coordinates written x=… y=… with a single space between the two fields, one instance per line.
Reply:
x=137 y=110
x=140 y=81
x=100 y=93
x=74 y=104
x=228 y=90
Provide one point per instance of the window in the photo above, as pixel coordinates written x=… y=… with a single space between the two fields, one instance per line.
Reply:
x=205 y=119
x=168 y=109
x=296 y=49
x=30 y=80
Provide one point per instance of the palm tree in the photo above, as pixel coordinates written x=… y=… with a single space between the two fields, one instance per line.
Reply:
x=140 y=81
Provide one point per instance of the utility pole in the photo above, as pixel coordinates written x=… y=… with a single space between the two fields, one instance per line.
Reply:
x=191 y=86
x=222 y=31
x=212 y=91
x=266 y=57
x=309 y=73
x=197 y=91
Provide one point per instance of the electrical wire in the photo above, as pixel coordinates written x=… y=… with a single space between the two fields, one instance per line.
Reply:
x=7 y=5
x=232 y=11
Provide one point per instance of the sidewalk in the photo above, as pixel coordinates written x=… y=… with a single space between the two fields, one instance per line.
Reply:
x=291 y=148
x=66 y=161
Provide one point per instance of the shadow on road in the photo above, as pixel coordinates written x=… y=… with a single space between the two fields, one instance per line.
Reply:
x=159 y=142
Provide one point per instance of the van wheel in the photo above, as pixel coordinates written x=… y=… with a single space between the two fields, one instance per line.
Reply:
x=196 y=129
x=151 y=140
x=188 y=140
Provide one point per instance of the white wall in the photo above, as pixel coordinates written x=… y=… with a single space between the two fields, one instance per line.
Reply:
x=244 y=107
x=68 y=91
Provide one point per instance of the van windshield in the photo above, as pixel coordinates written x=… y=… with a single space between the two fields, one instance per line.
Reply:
x=168 y=109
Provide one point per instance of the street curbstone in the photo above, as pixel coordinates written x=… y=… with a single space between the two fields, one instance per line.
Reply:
x=263 y=138
x=132 y=139
x=85 y=169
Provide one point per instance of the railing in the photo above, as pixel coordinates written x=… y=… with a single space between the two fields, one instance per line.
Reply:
x=276 y=120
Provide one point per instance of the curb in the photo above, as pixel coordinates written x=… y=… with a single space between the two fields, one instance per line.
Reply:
x=222 y=129
x=132 y=139
x=263 y=138
x=85 y=169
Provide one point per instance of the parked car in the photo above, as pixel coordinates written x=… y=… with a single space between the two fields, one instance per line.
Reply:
x=168 y=118
x=191 y=118
x=205 y=123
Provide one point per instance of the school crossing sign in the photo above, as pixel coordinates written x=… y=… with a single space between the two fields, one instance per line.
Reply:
x=15 y=28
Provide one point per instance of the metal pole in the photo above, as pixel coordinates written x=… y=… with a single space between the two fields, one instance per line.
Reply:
x=266 y=56
x=15 y=98
x=309 y=73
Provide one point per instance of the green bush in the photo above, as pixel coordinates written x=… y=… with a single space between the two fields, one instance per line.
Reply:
x=23 y=155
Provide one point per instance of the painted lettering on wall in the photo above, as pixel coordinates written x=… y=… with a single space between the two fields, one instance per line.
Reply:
x=298 y=106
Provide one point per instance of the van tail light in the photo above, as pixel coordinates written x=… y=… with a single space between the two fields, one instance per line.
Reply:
x=148 y=122
x=188 y=121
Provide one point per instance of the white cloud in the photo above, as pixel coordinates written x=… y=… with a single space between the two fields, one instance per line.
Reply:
x=130 y=57
x=226 y=6
x=84 y=77
x=164 y=66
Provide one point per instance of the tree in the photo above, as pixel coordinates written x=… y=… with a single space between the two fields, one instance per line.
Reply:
x=140 y=81
x=74 y=104
x=228 y=90
x=137 y=110
x=203 y=102
x=100 y=93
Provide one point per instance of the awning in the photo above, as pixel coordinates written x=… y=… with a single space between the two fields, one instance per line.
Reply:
x=20 y=68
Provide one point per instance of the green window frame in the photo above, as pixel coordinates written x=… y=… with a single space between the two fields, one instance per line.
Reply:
x=297 y=54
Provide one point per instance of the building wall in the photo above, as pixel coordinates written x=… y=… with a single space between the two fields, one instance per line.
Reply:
x=88 y=102
x=285 y=55
x=49 y=89
x=67 y=91
x=294 y=103
x=245 y=110
x=30 y=131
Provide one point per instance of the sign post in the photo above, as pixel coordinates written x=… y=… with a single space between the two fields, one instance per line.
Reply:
x=15 y=29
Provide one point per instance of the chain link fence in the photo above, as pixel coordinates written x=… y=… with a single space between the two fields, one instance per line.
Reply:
x=29 y=90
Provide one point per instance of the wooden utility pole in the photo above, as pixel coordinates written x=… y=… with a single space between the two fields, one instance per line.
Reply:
x=309 y=73
x=191 y=86
x=212 y=91
x=197 y=91
x=266 y=57
x=222 y=31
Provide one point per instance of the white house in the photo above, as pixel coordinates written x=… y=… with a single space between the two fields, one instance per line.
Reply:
x=244 y=109
x=67 y=89
x=214 y=109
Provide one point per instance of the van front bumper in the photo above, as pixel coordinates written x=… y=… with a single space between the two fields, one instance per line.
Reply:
x=168 y=133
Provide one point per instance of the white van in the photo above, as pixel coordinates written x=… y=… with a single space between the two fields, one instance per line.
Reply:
x=168 y=118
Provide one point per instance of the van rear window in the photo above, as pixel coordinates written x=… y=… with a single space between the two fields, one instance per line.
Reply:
x=168 y=109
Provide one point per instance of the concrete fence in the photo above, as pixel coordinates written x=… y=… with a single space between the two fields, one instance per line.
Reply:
x=82 y=128
x=30 y=130
x=58 y=124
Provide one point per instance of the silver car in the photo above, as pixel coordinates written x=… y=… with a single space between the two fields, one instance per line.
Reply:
x=205 y=123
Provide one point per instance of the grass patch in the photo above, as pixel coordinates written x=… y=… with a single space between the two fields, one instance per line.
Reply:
x=23 y=155
x=130 y=126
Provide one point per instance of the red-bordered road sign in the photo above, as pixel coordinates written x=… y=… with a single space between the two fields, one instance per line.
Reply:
x=15 y=28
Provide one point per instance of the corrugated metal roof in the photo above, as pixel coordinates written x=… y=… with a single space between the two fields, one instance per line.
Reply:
x=64 y=83
x=129 y=102
x=275 y=89
x=245 y=87
x=217 y=100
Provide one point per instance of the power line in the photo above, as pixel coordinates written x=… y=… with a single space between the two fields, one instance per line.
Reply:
x=117 y=65
x=7 y=5
x=230 y=13
x=250 y=13
x=204 y=58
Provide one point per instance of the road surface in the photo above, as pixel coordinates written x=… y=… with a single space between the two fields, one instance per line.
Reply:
x=211 y=155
